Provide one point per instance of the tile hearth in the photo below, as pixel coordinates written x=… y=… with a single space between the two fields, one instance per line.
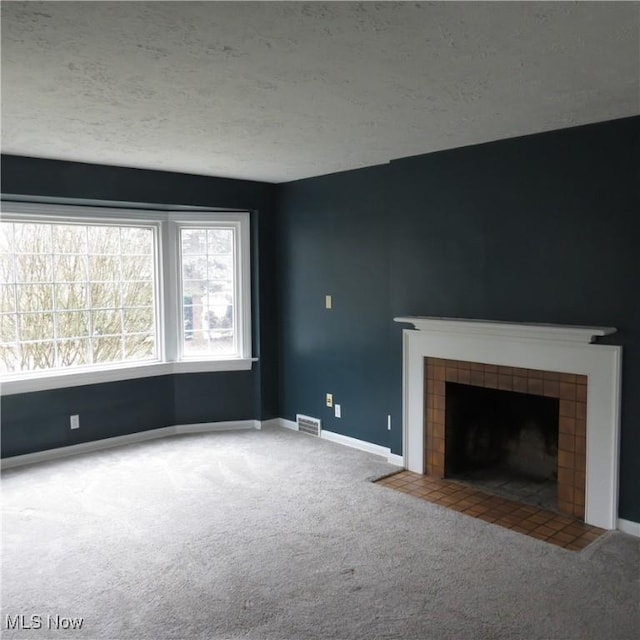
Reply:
x=561 y=530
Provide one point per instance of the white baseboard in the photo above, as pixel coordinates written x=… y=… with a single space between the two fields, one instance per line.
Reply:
x=274 y=422
x=288 y=424
x=363 y=445
x=630 y=527
x=130 y=438
x=205 y=427
x=354 y=443
x=347 y=441
x=393 y=458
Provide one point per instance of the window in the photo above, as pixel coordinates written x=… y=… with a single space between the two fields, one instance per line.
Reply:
x=76 y=294
x=208 y=297
x=212 y=268
x=111 y=294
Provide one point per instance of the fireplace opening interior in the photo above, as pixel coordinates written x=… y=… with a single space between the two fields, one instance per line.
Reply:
x=503 y=441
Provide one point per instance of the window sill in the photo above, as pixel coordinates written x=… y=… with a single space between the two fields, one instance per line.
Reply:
x=60 y=380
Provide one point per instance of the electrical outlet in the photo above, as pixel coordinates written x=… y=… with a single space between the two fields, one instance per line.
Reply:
x=389 y=422
x=329 y=399
x=338 y=411
x=328 y=302
x=74 y=422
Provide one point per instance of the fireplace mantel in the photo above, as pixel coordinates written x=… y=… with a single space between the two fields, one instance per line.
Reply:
x=562 y=348
x=533 y=331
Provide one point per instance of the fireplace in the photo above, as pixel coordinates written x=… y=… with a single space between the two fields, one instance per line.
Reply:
x=555 y=362
x=495 y=422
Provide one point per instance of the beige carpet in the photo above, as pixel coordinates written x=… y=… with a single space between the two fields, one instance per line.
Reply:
x=278 y=535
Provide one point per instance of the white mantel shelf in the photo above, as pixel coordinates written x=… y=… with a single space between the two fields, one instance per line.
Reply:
x=531 y=331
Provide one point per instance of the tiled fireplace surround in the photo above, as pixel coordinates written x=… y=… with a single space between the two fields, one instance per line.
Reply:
x=569 y=389
x=561 y=361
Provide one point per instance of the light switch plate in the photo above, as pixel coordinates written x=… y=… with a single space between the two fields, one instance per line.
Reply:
x=328 y=302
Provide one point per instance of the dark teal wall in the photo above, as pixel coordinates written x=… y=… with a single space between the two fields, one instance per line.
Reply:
x=198 y=396
x=37 y=421
x=334 y=239
x=542 y=228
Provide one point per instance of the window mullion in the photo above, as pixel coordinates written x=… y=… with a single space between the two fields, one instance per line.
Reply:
x=54 y=303
x=121 y=296
x=87 y=281
x=18 y=318
x=171 y=292
x=237 y=302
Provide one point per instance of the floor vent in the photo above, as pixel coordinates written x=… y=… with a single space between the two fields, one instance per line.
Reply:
x=309 y=425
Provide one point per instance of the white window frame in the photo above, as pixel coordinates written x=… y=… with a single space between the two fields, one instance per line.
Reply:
x=168 y=287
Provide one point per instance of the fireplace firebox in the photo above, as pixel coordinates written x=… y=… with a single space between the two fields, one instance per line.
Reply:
x=504 y=441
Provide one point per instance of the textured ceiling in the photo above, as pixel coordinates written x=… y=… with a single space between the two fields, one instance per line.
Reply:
x=277 y=91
